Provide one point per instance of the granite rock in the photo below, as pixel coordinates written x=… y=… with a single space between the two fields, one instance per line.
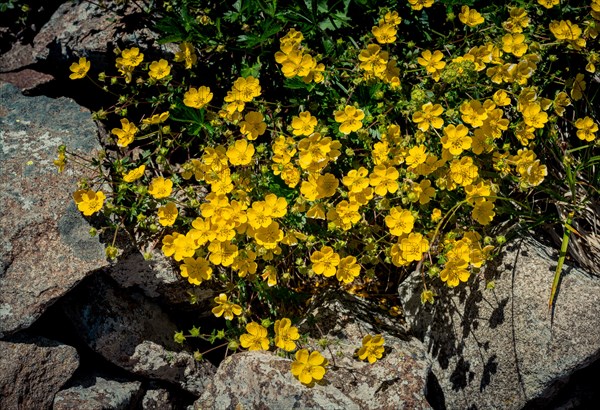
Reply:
x=503 y=348
x=46 y=248
x=33 y=370
x=97 y=393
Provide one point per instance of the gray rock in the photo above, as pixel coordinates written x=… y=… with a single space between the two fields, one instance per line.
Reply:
x=33 y=370
x=502 y=348
x=154 y=361
x=46 y=248
x=159 y=278
x=263 y=380
x=158 y=399
x=98 y=393
x=82 y=29
x=113 y=321
x=26 y=80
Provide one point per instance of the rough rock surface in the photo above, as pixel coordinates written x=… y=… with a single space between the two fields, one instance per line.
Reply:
x=26 y=80
x=113 y=321
x=46 y=248
x=33 y=370
x=158 y=399
x=98 y=393
x=158 y=278
x=502 y=348
x=80 y=29
x=263 y=380
x=155 y=362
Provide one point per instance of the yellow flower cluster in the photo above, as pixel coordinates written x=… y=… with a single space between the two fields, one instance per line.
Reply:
x=376 y=63
x=295 y=62
x=470 y=17
x=130 y=58
x=569 y=32
x=464 y=254
x=244 y=90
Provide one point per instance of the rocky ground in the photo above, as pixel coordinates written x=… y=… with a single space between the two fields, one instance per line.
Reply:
x=78 y=332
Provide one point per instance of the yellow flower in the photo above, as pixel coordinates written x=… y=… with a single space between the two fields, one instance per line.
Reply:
x=455 y=139
x=159 y=69
x=225 y=308
x=347 y=270
x=463 y=171
x=187 y=54
x=413 y=247
x=270 y=275
x=399 y=221
x=156 y=118
x=578 y=87
x=327 y=185
x=356 y=180
x=325 y=261
x=134 y=174
x=276 y=207
x=268 y=237
x=470 y=17
x=384 y=33
x=483 y=212
x=60 y=161
x=432 y=61
x=197 y=98
x=259 y=216
x=304 y=124
x=372 y=348
x=160 y=187
x=79 y=69
x=429 y=116
x=130 y=57
x=534 y=116
x=548 y=3
x=586 y=129
x=419 y=4
x=454 y=272
x=244 y=90
x=244 y=263
x=517 y=21
x=416 y=155
x=501 y=98
x=222 y=253
x=126 y=133
x=256 y=338
x=309 y=367
x=391 y=17
x=427 y=296
x=350 y=119
x=240 y=153
x=384 y=179
x=426 y=191
x=88 y=201
x=167 y=214
x=182 y=246
x=436 y=215
x=473 y=113
x=253 y=125
x=560 y=102
x=195 y=270
x=514 y=44
x=285 y=334
x=569 y=32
